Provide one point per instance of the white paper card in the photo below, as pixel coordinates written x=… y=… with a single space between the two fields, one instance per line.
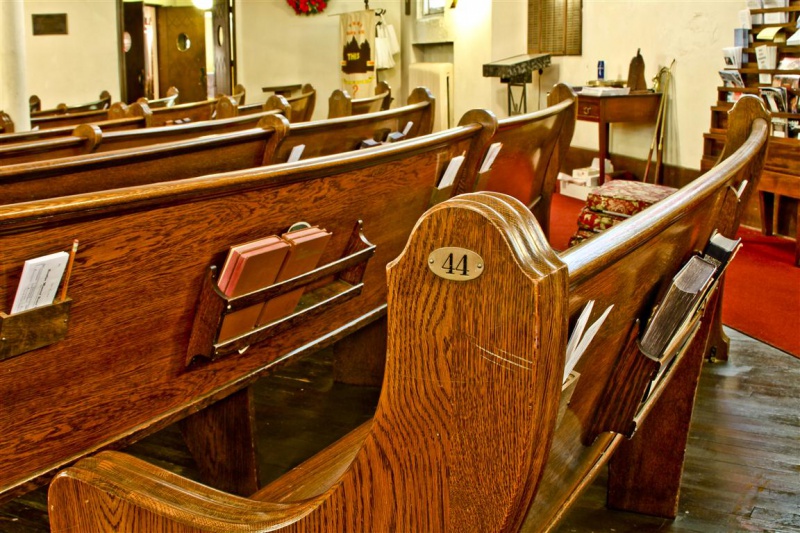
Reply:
x=491 y=155
x=296 y=152
x=408 y=127
x=39 y=281
x=452 y=170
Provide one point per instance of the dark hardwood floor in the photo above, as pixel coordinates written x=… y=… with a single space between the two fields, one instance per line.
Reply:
x=742 y=470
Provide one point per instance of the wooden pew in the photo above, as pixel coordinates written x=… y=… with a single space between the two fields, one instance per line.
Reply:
x=91 y=138
x=467 y=434
x=63 y=131
x=123 y=367
x=302 y=104
x=167 y=101
x=534 y=146
x=150 y=163
x=72 y=119
x=61 y=109
x=222 y=107
x=6 y=124
x=341 y=104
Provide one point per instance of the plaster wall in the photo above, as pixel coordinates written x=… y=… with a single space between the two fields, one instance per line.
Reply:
x=277 y=47
x=692 y=33
x=77 y=67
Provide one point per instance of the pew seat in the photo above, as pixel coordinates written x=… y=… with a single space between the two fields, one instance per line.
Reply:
x=467 y=434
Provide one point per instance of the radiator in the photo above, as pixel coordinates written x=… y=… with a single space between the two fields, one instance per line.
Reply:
x=438 y=78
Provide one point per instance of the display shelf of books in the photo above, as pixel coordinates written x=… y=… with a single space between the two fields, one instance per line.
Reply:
x=763 y=61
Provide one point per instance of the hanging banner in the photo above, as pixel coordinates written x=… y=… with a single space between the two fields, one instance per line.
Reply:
x=357 y=38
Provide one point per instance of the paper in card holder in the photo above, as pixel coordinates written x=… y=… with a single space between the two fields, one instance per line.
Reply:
x=296 y=153
x=451 y=172
x=491 y=155
x=39 y=282
x=408 y=127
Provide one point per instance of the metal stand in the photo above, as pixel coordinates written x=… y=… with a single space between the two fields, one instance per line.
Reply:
x=517 y=107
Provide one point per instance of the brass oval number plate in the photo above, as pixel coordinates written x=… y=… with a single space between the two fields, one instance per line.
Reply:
x=458 y=264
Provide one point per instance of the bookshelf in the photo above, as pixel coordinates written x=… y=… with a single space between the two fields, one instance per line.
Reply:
x=780 y=180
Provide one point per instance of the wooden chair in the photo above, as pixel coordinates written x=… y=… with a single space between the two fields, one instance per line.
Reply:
x=341 y=104
x=167 y=101
x=533 y=149
x=467 y=434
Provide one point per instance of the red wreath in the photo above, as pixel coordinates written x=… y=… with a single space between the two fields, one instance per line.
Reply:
x=307 y=7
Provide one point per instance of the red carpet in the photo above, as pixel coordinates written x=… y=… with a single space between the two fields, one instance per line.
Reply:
x=762 y=287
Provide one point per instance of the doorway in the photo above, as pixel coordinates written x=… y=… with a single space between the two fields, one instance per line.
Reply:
x=185 y=47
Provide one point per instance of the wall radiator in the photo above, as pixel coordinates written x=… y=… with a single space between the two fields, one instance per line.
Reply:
x=438 y=79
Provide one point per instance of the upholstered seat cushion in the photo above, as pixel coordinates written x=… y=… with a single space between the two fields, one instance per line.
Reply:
x=591 y=220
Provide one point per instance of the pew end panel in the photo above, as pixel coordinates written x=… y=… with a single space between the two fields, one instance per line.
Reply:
x=144 y=254
x=458 y=387
x=6 y=124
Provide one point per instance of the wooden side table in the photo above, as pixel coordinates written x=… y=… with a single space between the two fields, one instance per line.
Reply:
x=638 y=107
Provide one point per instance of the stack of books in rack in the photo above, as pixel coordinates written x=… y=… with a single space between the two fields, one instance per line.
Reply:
x=258 y=264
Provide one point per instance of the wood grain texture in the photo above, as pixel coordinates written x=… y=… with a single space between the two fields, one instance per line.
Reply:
x=456 y=443
x=534 y=147
x=144 y=254
x=631 y=266
x=341 y=104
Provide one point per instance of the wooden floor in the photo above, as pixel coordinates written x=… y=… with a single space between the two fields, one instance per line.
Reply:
x=742 y=470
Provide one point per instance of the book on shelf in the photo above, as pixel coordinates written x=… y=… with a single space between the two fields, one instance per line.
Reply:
x=756 y=18
x=767 y=57
x=794 y=39
x=741 y=38
x=775 y=98
x=731 y=78
x=745 y=19
x=305 y=250
x=732 y=56
x=249 y=267
x=776 y=17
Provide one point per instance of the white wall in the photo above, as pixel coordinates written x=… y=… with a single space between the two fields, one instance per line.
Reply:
x=692 y=33
x=77 y=67
x=277 y=47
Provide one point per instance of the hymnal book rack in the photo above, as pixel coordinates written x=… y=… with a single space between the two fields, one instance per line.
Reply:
x=213 y=305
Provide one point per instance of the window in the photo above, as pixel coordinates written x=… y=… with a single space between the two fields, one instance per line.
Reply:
x=554 y=27
x=433 y=7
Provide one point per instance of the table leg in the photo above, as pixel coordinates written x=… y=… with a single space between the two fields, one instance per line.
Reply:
x=603 y=127
x=766 y=201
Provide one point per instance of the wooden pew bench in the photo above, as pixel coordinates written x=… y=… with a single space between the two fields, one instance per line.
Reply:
x=467 y=434
x=236 y=150
x=341 y=104
x=222 y=107
x=64 y=131
x=534 y=146
x=6 y=124
x=144 y=260
x=103 y=102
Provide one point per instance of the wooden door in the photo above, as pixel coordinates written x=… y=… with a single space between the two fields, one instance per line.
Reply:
x=222 y=23
x=182 y=52
x=133 y=48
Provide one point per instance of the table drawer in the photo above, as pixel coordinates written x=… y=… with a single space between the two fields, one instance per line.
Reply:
x=588 y=110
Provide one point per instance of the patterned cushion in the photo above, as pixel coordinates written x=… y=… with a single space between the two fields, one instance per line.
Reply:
x=613 y=202
x=597 y=221
x=580 y=236
x=625 y=197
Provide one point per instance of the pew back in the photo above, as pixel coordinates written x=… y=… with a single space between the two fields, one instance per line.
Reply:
x=69 y=119
x=534 y=146
x=341 y=104
x=6 y=124
x=101 y=103
x=222 y=107
x=303 y=104
x=121 y=370
x=463 y=431
x=167 y=101
x=323 y=137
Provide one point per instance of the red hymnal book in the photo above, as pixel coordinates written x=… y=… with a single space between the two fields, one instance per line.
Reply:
x=306 y=249
x=250 y=266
